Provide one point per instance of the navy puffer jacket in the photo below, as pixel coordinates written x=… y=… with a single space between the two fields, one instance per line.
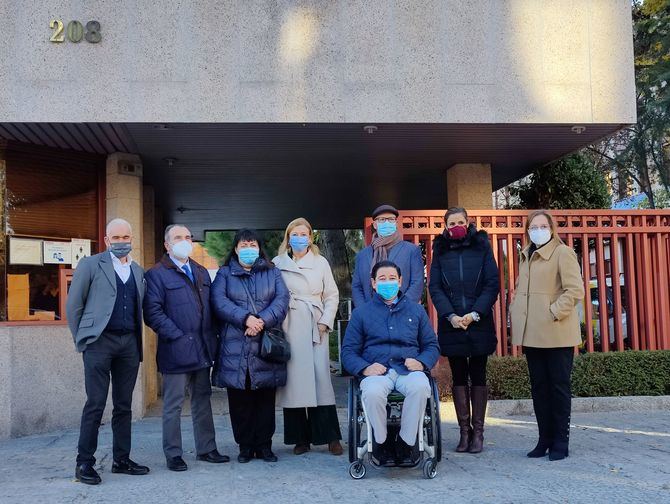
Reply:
x=231 y=305
x=464 y=278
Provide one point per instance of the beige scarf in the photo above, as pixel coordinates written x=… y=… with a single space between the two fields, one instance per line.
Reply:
x=381 y=246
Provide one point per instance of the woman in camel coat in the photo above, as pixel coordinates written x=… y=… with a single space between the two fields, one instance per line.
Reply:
x=545 y=322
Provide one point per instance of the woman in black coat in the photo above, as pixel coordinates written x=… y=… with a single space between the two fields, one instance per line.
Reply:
x=464 y=286
x=251 y=381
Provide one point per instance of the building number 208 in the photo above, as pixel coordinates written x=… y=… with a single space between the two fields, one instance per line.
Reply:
x=75 y=31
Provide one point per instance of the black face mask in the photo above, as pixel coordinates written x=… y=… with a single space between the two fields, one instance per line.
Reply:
x=120 y=249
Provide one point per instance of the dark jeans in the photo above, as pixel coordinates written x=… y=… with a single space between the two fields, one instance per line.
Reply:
x=118 y=356
x=550 y=370
x=473 y=368
x=317 y=426
x=252 y=415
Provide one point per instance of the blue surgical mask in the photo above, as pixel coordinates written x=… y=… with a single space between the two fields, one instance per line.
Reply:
x=248 y=255
x=388 y=290
x=120 y=249
x=385 y=229
x=539 y=236
x=298 y=243
x=182 y=249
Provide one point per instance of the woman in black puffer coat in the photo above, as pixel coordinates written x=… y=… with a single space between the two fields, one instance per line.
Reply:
x=251 y=381
x=464 y=286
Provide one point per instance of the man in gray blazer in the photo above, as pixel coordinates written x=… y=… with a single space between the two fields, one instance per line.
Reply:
x=104 y=313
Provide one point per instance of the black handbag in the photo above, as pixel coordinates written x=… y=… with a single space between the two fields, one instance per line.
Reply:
x=274 y=346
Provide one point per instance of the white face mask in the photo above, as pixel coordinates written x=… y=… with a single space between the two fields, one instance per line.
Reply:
x=539 y=236
x=181 y=250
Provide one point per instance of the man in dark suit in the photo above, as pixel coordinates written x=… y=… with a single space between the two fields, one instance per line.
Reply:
x=177 y=308
x=104 y=313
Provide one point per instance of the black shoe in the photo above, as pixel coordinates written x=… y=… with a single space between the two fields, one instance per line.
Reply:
x=404 y=454
x=176 y=464
x=386 y=452
x=266 y=454
x=245 y=456
x=84 y=473
x=540 y=450
x=129 y=467
x=214 y=457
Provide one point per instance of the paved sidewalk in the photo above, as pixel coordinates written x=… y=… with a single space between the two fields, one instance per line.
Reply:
x=615 y=457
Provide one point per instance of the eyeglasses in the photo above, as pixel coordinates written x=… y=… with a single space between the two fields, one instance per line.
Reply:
x=381 y=220
x=535 y=228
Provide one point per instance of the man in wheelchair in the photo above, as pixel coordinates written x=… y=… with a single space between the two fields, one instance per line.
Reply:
x=391 y=343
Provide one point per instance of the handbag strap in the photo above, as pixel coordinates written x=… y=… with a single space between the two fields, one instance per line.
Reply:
x=251 y=299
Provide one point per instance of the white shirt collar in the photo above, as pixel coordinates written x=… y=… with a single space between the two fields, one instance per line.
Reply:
x=178 y=263
x=118 y=262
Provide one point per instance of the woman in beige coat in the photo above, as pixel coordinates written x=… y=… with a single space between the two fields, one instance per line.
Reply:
x=310 y=415
x=545 y=321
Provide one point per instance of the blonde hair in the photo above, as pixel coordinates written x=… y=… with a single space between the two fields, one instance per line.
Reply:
x=300 y=221
x=552 y=224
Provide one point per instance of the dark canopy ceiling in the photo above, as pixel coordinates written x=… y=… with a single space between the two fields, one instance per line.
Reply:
x=226 y=176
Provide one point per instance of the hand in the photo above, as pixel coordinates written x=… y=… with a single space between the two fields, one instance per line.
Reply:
x=324 y=333
x=375 y=369
x=251 y=332
x=255 y=323
x=467 y=320
x=413 y=364
x=458 y=323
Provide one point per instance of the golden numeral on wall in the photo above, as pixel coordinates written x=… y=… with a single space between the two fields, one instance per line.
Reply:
x=57 y=26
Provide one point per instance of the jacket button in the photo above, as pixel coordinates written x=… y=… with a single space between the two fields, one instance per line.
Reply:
x=190 y=337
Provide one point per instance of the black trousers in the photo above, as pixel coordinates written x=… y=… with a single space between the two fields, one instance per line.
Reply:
x=468 y=369
x=252 y=415
x=318 y=425
x=116 y=356
x=550 y=370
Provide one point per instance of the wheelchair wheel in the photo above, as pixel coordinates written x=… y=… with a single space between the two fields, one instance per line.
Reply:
x=354 y=428
x=429 y=468
x=357 y=470
x=436 y=423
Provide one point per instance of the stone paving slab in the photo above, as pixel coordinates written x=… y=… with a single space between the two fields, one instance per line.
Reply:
x=615 y=457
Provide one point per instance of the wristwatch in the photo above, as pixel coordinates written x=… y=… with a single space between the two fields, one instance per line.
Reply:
x=475 y=316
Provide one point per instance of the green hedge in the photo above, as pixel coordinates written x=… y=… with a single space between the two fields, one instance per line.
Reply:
x=627 y=373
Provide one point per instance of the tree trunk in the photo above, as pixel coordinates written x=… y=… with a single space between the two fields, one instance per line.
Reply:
x=334 y=248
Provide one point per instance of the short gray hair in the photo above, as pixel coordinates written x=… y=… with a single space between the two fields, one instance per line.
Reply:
x=118 y=222
x=170 y=228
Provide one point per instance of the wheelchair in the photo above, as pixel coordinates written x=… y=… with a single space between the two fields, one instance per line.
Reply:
x=429 y=438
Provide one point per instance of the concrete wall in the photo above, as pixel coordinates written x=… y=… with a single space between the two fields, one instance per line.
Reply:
x=448 y=61
x=41 y=381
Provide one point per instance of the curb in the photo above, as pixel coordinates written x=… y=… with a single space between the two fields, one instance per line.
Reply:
x=512 y=407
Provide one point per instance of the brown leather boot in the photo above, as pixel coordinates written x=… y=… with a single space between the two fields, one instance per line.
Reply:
x=462 y=406
x=301 y=448
x=335 y=447
x=479 y=397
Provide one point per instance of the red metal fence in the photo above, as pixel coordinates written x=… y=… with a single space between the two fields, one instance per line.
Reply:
x=625 y=259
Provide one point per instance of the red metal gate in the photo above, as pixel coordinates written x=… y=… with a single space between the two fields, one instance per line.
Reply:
x=625 y=259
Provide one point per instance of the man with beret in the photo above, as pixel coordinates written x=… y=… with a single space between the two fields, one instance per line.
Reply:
x=387 y=244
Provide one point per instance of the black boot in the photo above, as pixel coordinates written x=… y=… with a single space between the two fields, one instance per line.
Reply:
x=462 y=406
x=540 y=449
x=479 y=397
